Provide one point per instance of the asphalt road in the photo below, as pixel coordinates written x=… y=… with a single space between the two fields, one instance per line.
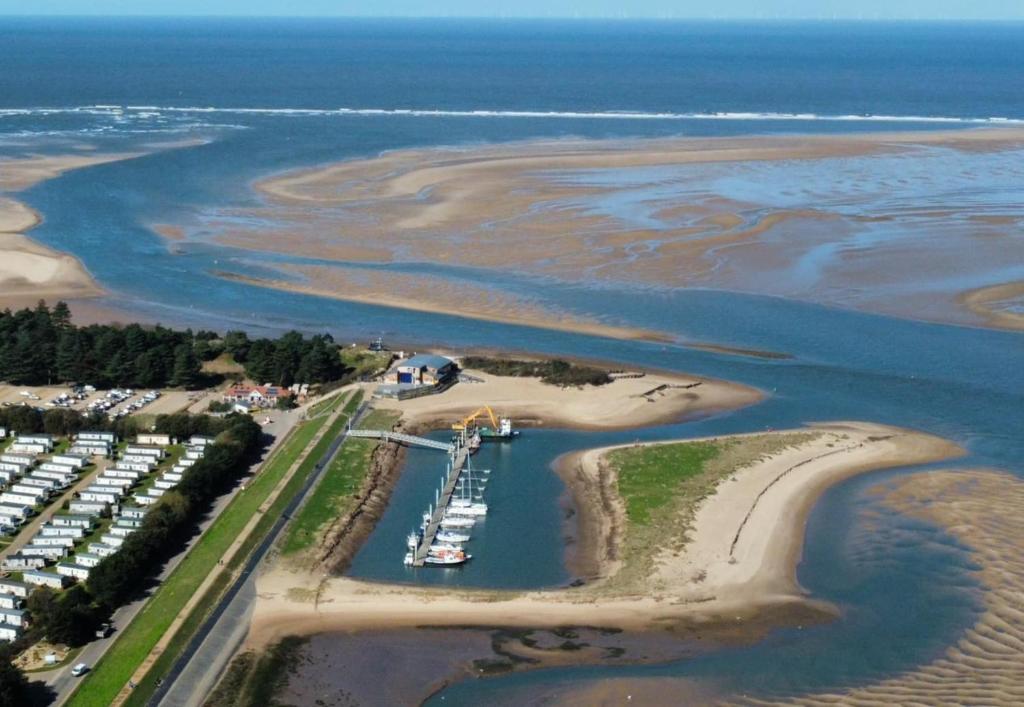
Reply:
x=196 y=671
x=60 y=680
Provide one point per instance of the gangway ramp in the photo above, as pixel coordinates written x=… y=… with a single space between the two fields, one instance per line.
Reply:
x=401 y=437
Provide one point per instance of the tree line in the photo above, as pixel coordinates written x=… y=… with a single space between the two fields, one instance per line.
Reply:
x=42 y=346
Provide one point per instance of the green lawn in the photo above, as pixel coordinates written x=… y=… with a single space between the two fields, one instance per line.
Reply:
x=135 y=642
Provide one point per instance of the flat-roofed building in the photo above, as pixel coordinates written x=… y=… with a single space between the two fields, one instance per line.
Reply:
x=102 y=549
x=75 y=460
x=82 y=507
x=101 y=494
x=20 y=499
x=16 y=562
x=75 y=571
x=73 y=521
x=61 y=540
x=44 y=579
x=154 y=438
x=15 y=588
x=10 y=601
x=87 y=559
x=92 y=435
x=50 y=552
x=62 y=531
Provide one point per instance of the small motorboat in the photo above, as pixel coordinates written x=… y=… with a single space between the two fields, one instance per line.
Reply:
x=448 y=558
x=450 y=536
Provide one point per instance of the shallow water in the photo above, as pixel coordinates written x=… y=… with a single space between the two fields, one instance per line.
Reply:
x=901 y=584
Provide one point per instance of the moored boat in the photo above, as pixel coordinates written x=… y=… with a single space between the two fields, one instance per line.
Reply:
x=447 y=558
x=450 y=536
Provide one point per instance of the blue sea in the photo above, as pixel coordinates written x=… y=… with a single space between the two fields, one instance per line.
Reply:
x=243 y=99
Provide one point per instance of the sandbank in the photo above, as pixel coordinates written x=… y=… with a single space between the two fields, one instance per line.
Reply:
x=423 y=293
x=984 y=302
x=625 y=403
x=30 y=271
x=654 y=213
x=981 y=508
x=738 y=564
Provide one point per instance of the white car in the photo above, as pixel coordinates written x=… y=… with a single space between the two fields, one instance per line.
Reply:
x=79 y=670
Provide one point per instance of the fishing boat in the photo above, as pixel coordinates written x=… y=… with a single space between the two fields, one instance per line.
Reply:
x=447 y=558
x=450 y=536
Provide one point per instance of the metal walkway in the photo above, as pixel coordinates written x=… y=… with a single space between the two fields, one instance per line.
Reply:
x=389 y=436
x=430 y=532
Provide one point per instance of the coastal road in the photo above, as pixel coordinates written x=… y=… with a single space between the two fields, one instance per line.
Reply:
x=207 y=654
x=60 y=680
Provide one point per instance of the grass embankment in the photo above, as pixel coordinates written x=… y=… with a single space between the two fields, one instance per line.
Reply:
x=253 y=679
x=136 y=641
x=553 y=372
x=337 y=491
x=662 y=485
x=360 y=362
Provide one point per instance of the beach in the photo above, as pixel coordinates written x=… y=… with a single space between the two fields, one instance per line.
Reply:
x=737 y=565
x=625 y=403
x=30 y=271
x=661 y=213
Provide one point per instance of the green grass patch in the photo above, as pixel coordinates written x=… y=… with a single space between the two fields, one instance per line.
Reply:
x=136 y=641
x=661 y=487
x=650 y=477
x=335 y=495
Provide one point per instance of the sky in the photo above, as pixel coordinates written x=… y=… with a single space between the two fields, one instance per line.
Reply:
x=695 y=9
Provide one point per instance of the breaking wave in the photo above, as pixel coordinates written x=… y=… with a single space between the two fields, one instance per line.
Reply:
x=156 y=112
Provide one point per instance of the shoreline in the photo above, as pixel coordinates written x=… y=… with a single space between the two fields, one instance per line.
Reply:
x=760 y=582
x=980 y=300
x=657 y=398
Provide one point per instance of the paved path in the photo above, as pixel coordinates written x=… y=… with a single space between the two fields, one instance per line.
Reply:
x=60 y=680
x=207 y=655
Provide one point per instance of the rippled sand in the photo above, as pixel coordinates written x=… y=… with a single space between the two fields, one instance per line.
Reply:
x=982 y=509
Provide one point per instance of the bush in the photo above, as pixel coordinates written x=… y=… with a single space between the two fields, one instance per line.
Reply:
x=554 y=372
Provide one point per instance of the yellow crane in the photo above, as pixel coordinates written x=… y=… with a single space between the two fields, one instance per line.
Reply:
x=465 y=423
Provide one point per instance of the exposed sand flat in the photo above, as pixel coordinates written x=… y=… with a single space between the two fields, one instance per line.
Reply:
x=424 y=293
x=985 y=303
x=21 y=173
x=688 y=212
x=746 y=542
x=622 y=404
x=983 y=510
x=30 y=271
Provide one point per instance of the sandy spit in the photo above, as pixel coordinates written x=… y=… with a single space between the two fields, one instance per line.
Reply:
x=625 y=403
x=739 y=564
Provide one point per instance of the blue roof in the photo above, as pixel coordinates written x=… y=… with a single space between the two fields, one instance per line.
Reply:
x=427 y=361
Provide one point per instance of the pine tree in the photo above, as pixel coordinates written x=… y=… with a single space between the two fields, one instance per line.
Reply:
x=186 y=371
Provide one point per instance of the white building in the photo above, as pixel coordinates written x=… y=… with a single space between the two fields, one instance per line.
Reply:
x=18 y=589
x=101 y=549
x=128 y=512
x=108 y=437
x=155 y=438
x=17 y=562
x=10 y=601
x=16 y=509
x=121 y=531
x=164 y=484
x=52 y=540
x=62 y=531
x=145 y=451
x=100 y=494
x=50 y=552
x=9 y=633
x=199 y=440
x=35 y=494
x=15 y=467
x=87 y=559
x=29 y=447
x=92 y=508
x=129 y=474
x=70 y=569
x=19 y=499
x=68 y=469
x=143 y=465
x=90 y=449
x=13 y=617
x=73 y=521
x=145 y=499
x=75 y=460
x=44 y=579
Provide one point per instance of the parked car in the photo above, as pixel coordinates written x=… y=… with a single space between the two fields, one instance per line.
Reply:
x=79 y=670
